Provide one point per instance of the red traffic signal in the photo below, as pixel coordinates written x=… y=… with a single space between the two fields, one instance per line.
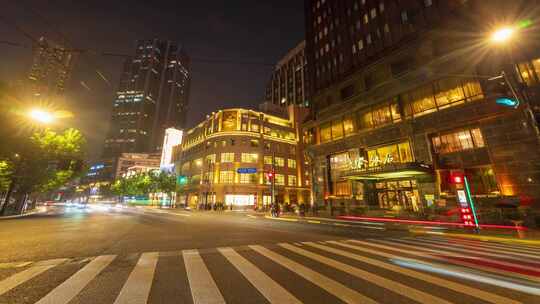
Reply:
x=270 y=175
x=457 y=178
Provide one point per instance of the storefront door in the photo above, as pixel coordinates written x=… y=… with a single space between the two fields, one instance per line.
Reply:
x=403 y=194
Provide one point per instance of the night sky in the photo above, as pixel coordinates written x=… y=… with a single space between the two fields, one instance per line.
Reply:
x=230 y=31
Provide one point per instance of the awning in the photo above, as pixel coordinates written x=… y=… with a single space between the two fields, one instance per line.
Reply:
x=390 y=171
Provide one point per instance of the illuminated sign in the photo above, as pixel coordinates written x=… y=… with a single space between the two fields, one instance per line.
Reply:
x=361 y=163
x=173 y=137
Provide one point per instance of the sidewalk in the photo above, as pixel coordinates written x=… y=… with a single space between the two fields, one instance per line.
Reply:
x=35 y=211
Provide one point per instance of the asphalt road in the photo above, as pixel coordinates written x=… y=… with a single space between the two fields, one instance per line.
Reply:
x=129 y=255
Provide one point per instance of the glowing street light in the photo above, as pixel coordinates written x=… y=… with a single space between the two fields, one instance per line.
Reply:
x=502 y=35
x=41 y=116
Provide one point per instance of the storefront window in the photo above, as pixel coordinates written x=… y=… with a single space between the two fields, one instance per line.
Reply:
x=254 y=126
x=229 y=121
x=458 y=141
x=482 y=180
x=342 y=188
x=394 y=108
x=226 y=177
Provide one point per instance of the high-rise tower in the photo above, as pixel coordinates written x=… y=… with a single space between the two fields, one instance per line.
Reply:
x=152 y=96
x=51 y=69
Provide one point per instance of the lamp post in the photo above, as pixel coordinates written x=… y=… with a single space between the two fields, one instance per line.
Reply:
x=504 y=36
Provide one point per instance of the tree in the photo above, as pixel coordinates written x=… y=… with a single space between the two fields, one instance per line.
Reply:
x=43 y=162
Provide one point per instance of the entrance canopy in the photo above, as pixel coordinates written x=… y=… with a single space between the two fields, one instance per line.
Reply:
x=389 y=171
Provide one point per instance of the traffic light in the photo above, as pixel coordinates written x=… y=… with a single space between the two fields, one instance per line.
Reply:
x=456 y=178
x=181 y=180
x=503 y=90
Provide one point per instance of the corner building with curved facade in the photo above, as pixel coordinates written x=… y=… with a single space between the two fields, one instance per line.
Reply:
x=216 y=153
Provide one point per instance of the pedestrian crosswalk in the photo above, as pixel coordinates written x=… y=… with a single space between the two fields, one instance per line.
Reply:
x=391 y=270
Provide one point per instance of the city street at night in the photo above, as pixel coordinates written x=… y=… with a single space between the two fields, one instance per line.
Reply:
x=109 y=254
x=278 y=151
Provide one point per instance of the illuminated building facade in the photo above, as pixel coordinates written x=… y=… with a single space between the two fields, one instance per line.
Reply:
x=216 y=152
x=51 y=69
x=173 y=138
x=288 y=84
x=136 y=163
x=399 y=109
x=152 y=97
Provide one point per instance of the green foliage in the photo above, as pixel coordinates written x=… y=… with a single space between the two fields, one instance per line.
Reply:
x=145 y=183
x=45 y=161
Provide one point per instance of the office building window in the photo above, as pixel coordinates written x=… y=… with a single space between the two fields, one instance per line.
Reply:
x=279 y=161
x=280 y=179
x=267 y=159
x=292 y=181
x=227 y=157
x=458 y=141
x=248 y=178
x=249 y=157
x=291 y=163
x=226 y=177
x=211 y=158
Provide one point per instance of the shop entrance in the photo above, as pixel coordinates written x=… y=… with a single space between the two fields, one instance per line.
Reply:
x=402 y=193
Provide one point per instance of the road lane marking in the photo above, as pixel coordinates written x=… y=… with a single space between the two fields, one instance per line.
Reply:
x=14 y=265
x=335 y=288
x=27 y=274
x=180 y=214
x=203 y=287
x=314 y=222
x=252 y=216
x=137 y=287
x=270 y=289
x=281 y=218
x=396 y=287
x=460 y=288
x=66 y=291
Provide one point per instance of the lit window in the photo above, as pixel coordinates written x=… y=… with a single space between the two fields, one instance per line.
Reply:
x=248 y=178
x=267 y=160
x=279 y=161
x=211 y=158
x=292 y=180
x=386 y=28
x=366 y=18
x=381 y=7
x=360 y=44
x=428 y=3
x=291 y=163
x=368 y=39
x=226 y=177
x=249 y=157
x=227 y=157
x=280 y=179
x=458 y=141
x=373 y=13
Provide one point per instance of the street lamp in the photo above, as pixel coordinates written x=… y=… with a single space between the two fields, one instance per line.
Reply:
x=41 y=116
x=502 y=34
